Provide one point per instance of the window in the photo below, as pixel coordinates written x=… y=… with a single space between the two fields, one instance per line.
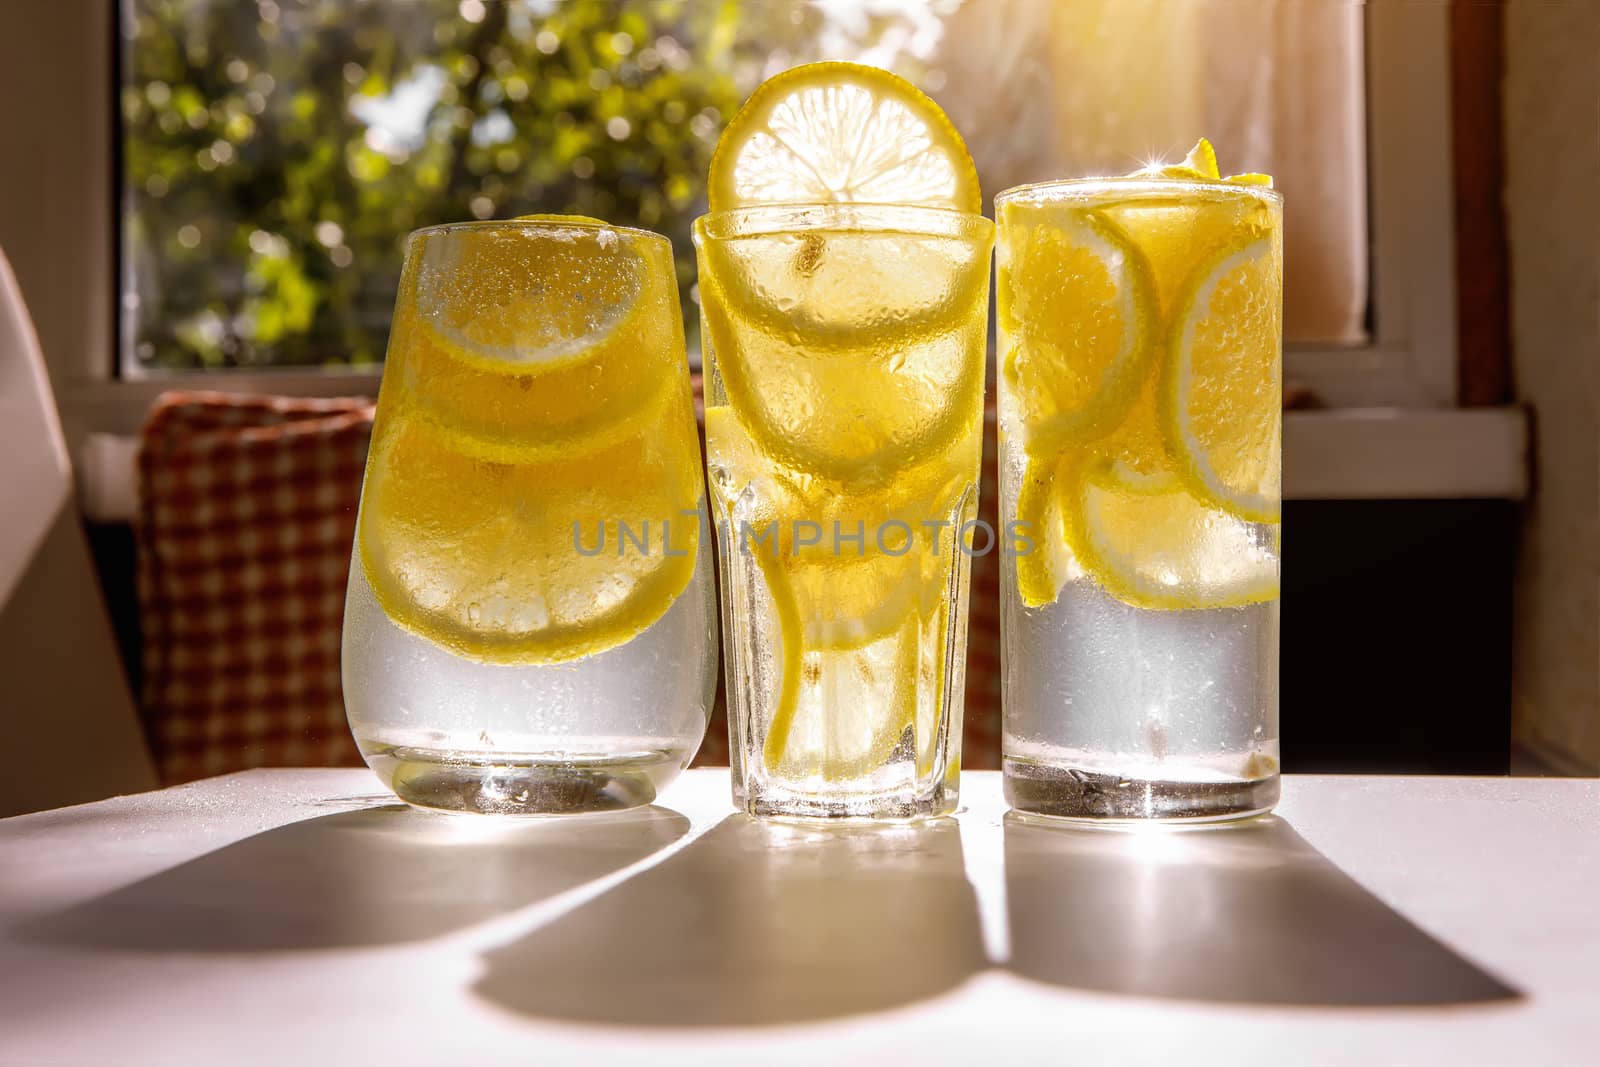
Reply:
x=276 y=152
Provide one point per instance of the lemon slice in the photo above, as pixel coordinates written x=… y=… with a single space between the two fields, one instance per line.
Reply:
x=840 y=713
x=857 y=667
x=1222 y=399
x=527 y=296
x=841 y=132
x=505 y=562
x=830 y=273
x=853 y=565
x=1152 y=544
x=846 y=602
x=584 y=220
x=537 y=336
x=861 y=412
x=1080 y=318
x=1044 y=564
x=1200 y=165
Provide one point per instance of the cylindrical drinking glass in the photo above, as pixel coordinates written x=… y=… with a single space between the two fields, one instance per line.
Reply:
x=844 y=347
x=1140 y=384
x=530 y=624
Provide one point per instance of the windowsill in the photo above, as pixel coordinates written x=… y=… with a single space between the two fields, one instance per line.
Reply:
x=1401 y=454
x=1346 y=454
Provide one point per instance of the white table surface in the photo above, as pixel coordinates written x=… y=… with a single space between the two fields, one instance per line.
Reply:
x=293 y=916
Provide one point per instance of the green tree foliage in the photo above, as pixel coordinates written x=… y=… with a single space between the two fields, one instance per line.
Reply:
x=276 y=152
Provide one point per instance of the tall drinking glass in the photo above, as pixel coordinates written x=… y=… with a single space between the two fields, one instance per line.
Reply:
x=1140 y=382
x=844 y=345
x=529 y=626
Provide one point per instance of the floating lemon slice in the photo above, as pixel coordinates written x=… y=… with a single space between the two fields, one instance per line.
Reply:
x=526 y=296
x=577 y=220
x=1222 y=398
x=844 y=611
x=841 y=132
x=1043 y=563
x=847 y=602
x=840 y=713
x=833 y=273
x=544 y=336
x=857 y=635
x=1165 y=508
x=1152 y=544
x=854 y=566
x=502 y=561
x=1080 y=319
x=858 y=413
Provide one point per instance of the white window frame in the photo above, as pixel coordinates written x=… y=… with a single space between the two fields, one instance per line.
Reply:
x=1391 y=397
x=1411 y=361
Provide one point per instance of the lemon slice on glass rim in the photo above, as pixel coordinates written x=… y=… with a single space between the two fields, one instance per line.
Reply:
x=1200 y=165
x=840 y=133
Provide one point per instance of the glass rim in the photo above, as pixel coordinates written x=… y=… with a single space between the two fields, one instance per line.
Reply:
x=803 y=216
x=535 y=225
x=1094 y=188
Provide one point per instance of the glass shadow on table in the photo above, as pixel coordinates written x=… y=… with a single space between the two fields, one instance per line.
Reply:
x=758 y=923
x=1244 y=912
x=374 y=876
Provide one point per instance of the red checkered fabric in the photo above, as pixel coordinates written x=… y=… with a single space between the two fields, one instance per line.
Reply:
x=246 y=514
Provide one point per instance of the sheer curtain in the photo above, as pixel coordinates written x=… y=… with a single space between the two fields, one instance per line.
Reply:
x=1047 y=89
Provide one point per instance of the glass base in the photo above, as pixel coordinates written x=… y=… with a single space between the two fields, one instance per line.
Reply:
x=772 y=804
x=508 y=784
x=1071 y=793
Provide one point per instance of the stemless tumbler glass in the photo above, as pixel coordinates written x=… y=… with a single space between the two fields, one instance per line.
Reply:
x=1140 y=383
x=844 y=349
x=529 y=626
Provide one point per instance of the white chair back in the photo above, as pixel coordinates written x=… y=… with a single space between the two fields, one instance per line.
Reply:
x=72 y=733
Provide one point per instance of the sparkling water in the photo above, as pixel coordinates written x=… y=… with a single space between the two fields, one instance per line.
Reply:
x=1103 y=696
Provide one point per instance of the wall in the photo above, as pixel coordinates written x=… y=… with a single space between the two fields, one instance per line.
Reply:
x=55 y=194
x=1552 y=127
